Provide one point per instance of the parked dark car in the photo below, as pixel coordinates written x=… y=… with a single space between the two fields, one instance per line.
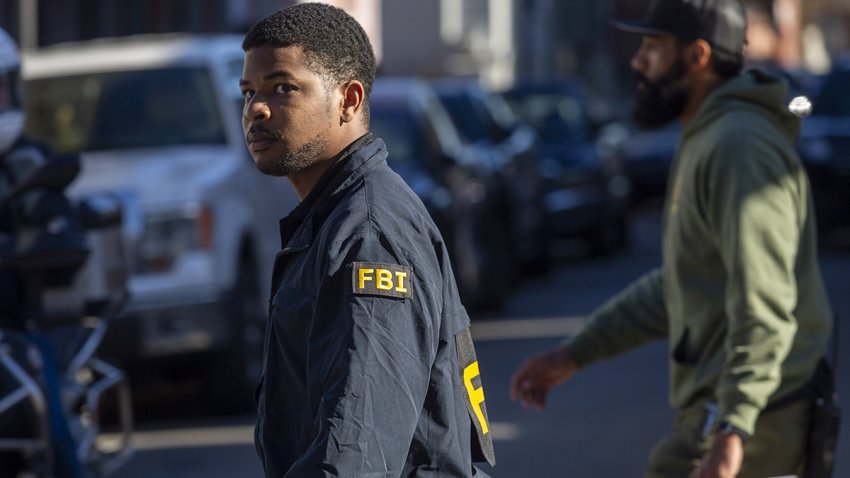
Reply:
x=646 y=156
x=825 y=150
x=426 y=150
x=509 y=150
x=584 y=195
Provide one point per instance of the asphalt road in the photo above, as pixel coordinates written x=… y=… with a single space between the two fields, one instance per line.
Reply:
x=601 y=424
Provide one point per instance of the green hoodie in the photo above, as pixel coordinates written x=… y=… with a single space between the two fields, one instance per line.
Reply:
x=740 y=293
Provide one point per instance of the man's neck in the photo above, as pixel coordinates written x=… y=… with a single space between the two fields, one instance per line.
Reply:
x=703 y=87
x=305 y=180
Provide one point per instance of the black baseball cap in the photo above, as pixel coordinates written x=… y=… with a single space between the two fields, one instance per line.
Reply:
x=722 y=23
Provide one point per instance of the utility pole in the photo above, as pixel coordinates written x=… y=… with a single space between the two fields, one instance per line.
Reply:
x=500 y=71
x=28 y=23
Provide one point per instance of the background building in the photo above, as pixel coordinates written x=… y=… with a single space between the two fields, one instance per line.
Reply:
x=498 y=41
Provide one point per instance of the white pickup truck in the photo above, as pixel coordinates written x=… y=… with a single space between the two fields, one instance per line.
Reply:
x=157 y=121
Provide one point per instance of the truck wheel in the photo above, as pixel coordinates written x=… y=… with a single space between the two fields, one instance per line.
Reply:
x=235 y=372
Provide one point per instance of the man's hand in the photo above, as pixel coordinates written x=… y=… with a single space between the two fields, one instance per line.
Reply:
x=535 y=378
x=724 y=458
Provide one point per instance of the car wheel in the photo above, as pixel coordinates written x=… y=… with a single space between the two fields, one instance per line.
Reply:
x=465 y=262
x=541 y=261
x=493 y=244
x=236 y=372
x=611 y=236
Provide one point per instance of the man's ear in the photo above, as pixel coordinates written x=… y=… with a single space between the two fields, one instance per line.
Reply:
x=353 y=95
x=698 y=55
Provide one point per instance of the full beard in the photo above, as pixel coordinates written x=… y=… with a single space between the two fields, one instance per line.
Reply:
x=660 y=102
x=295 y=160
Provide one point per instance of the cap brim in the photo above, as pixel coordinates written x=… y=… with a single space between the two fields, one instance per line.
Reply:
x=638 y=26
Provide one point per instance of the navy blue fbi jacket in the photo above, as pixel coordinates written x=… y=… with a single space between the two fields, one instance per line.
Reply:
x=369 y=368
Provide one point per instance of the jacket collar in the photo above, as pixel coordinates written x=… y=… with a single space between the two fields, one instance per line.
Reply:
x=296 y=229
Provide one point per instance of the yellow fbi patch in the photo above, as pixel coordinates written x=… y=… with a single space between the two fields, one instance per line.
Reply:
x=475 y=394
x=473 y=391
x=378 y=278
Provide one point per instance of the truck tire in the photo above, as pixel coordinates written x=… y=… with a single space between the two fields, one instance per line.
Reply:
x=235 y=372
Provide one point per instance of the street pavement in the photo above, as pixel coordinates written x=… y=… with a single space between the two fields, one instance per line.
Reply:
x=601 y=424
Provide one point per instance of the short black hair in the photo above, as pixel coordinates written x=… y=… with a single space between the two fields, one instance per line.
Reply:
x=334 y=44
x=725 y=64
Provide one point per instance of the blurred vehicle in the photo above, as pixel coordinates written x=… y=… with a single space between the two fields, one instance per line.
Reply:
x=584 y=195
x=825 y=150
x=63 y=266
x=157 y=121
x=426 y=150
x=508 y=151
x=646 y=156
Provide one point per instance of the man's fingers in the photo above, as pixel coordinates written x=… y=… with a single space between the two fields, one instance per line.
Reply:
x=526 y=398
x=516 y=383
x=527 y=389
x=521 y=379
x=532 y=396
x=531 y=382
x=539 y=399
x=524 y=392
x=512 y=389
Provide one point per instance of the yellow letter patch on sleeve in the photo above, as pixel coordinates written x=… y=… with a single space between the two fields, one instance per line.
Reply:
x=473 y=391
x=377 y=278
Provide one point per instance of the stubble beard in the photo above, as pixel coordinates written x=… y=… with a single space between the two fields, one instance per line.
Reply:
x=296 y=160
x=660 y=102
x=303 y=156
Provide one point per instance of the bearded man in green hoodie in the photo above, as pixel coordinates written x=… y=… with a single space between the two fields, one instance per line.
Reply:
x=739 y=294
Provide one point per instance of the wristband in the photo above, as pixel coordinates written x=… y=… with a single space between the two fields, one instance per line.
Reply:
x=725 y=428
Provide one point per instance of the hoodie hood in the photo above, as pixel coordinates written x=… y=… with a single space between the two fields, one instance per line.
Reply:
x=754 y=90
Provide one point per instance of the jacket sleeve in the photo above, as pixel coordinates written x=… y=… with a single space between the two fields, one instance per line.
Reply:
x=754 y=206
x=633 y=317
x=369 y=361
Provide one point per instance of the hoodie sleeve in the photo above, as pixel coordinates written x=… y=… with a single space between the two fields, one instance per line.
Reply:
x=631 y=318
x=754 y=211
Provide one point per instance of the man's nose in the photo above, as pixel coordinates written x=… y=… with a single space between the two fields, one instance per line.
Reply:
x=638 y=62
x=640 y=59
x=256 y=111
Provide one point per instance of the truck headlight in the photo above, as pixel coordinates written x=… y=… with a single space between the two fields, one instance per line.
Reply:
x=169 y=234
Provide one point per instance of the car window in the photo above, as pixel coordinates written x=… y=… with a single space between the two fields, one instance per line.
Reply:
x=556 y=118
x=469 y=116
x=127 y=109
x=501 y=111
x=234 y=73
x=401 y=132
x=443 y=131
x=834 y=96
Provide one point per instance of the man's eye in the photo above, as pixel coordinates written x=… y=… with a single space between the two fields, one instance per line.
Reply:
x=248 y=94
x=280 y=89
